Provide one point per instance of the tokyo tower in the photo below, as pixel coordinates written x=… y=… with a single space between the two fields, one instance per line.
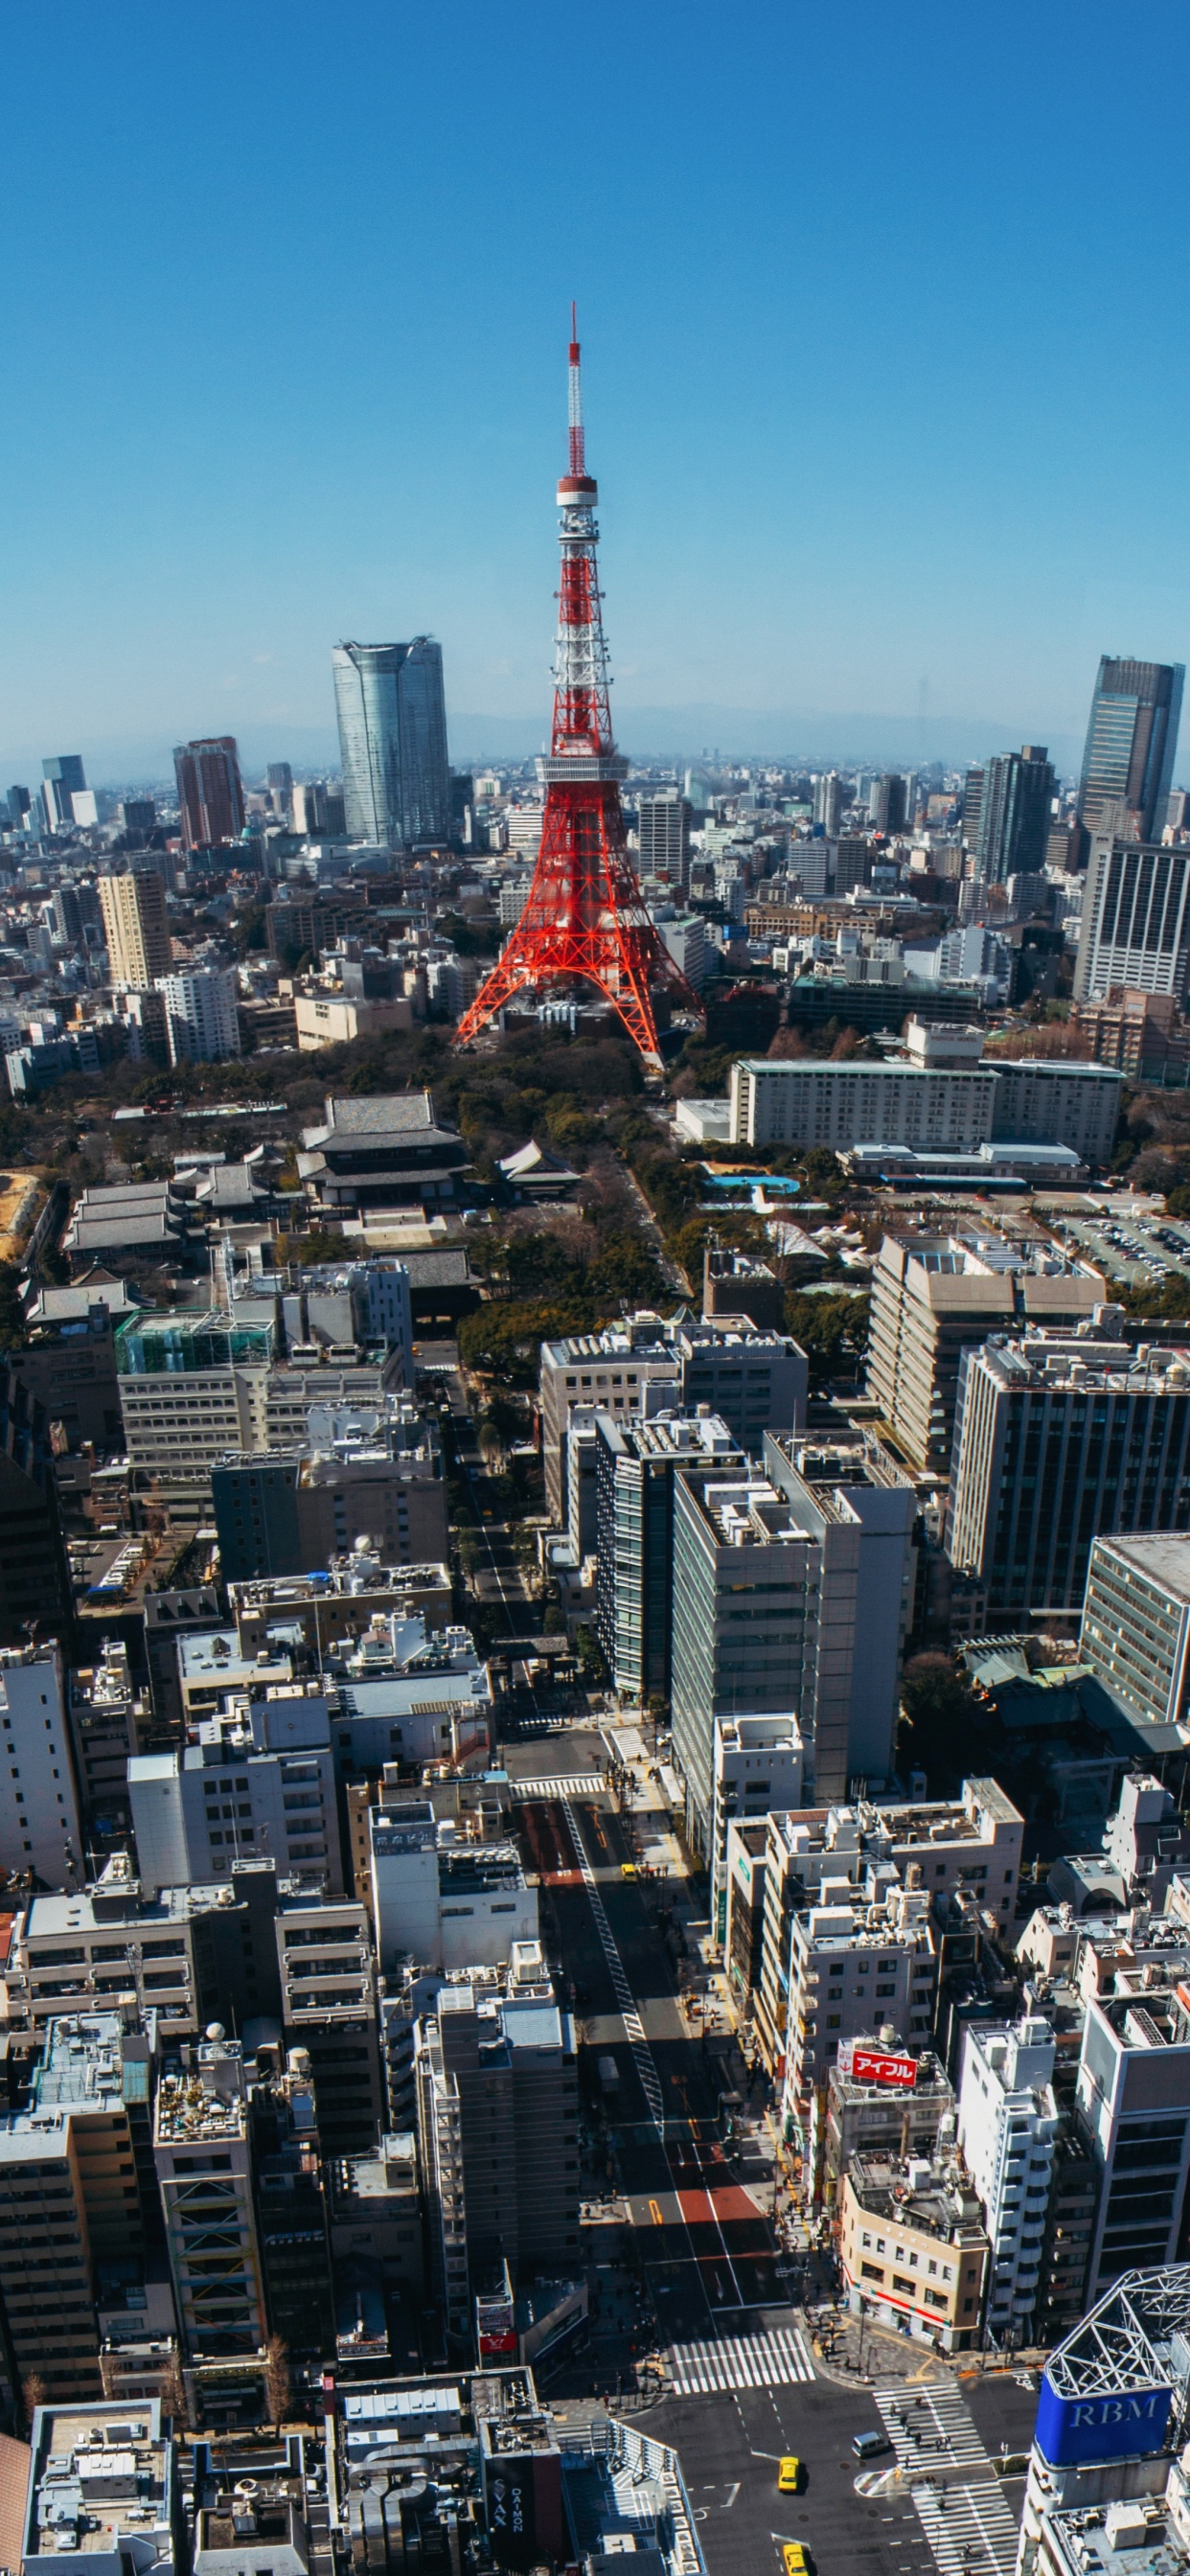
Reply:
x=584 y=914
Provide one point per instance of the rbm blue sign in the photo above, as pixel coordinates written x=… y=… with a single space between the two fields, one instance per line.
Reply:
x=1117 y=2427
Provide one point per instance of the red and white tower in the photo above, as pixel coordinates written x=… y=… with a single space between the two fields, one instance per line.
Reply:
x=584 y=915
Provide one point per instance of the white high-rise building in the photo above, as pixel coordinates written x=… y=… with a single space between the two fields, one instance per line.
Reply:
x=1009 y=2123
x=201 y=1019
x=39 y=1812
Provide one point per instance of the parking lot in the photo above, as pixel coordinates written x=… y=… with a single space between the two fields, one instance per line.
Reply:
x=1134 y=1251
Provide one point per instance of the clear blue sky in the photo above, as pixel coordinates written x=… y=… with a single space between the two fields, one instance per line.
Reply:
x=884 y=326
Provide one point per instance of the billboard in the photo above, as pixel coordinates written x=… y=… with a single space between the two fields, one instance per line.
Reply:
x=1118 y=2425
x=879 y=2066
x=512 y=2508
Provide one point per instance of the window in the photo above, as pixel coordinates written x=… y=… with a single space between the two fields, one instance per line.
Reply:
x=871 y=2272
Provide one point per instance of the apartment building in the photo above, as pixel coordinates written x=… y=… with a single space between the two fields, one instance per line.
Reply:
x=862 y=1957
x=933 y=1296
x=202 y=2152
x=440 y=1899
x=258 y=1783
x=912 y=2250
x=328 y=2008
x=803 y=1101
x=758 y=1765
x=970 y=1844
x=40 y=1820
x=188 y=1954
x=1135 y=1630
x=1059 y=1439
x=46 y=2281
x=280 y=1512
x=942 y=1095
x=1009 y=2124
x=497 y=2119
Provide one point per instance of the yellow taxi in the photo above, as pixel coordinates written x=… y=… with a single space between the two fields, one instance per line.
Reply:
x=628 y=1869
x=789 y=2477
x=794 y=2559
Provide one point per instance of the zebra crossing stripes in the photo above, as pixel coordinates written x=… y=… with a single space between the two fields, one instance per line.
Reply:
x=569 y=1784
x=740 y=2361
x=970 y=2529
x=929 y=2427
x=641 y=2052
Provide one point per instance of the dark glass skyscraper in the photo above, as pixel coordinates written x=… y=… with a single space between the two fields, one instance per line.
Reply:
x=1015 y=802
x=1131 y=741
x=391 y=707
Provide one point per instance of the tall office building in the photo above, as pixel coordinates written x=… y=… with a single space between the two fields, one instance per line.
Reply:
x=1059 y=1438
x=768 y=1574
x=135 y=928
x=663 y=831
x=636 y=1463
x=1131 y=741
x=201 y=1019
x=40 y=1828
x=886 y=802
x=391 y=707
x=828 y=802
x=1136 y=1624
x=935 y=1294
x=1011 y=830
x=210 y=792
x=62 y=780
x=280 y=786
x=1135 y=927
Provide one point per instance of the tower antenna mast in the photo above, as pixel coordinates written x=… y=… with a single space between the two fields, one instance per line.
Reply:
x=585 y=919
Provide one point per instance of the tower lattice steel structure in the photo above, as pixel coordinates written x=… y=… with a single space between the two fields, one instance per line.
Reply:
x=584 y=914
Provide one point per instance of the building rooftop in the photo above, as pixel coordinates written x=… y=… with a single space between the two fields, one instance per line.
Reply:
x=84 y=2067
x=190 y=2111
x=1163 y=1559
x=933 y=2198
x=100 y=2476
x=1086 y=1358
x=373 y=1114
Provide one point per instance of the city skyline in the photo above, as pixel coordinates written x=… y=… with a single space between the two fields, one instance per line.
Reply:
x=849 y=478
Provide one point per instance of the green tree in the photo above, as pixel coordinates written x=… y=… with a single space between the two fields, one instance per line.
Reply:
x=833 y=1332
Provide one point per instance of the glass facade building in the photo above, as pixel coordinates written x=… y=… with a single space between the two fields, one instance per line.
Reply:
x=1015 y=813
x=1131 y=742
x=391 y=709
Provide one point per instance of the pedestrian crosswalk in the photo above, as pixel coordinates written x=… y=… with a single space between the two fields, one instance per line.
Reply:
x=970 y=2529
x=568 y=1784
x=641 y=2052
x=929 y=2427
x=740 y=2361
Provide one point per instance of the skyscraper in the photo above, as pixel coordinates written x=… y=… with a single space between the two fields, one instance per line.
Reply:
x=210 y=792
x=663 y=827
x=1135 y=927
x=62 y=778
x=135 y=928
x=1131 y=741
x=1012 y=828
x=391 y=707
